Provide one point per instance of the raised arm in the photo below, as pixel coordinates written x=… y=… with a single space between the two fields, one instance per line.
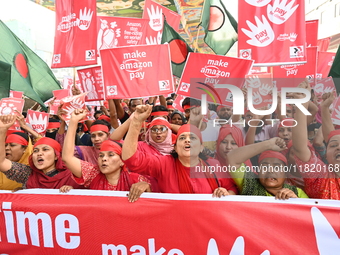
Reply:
x=27 y=128
x=119 y=108
x=327 y=124
x=119 y=132
x=72 y=163
x=240 y=155
x=131 y=140
x=113 y=114
x=300 y=134
x=6 y=121
x=313 y=109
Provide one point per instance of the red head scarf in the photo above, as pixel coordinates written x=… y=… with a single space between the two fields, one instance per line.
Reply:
x=53 y=125
x=333 y=133
x=99 y=127
x=237 y=135
x=288 y=122
x=13 y=138
x=49 y=141
x=161 y=113
x=191 y=129
x=108 y=145
x=170 y=106
x=166 y=146
x=272 y=154
x=104 y=117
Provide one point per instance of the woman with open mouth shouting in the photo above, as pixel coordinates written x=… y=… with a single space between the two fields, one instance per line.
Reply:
x=271 y=177
x=46 y=169
x=109 y=173
x=184 y=171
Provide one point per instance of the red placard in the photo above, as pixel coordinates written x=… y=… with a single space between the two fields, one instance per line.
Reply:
x=324 y=86
x=262 y=85
x=336 y=111
x=178 y=102
x=204 y=72
x=139 y=71
x=272 y=32
x=325 y=61
x=58 y=95
x=118 y=31
x=16 y=94
x=293 y=75
x=92 y=82
x=154 y=12
x=47 y=222
x=312 y=32
x=12 y=106
x=37 y=120
x=75 y=36
x=69 y=104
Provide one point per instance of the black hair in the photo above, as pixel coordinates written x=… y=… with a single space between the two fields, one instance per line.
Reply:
x=24 y=114
x=102 y=122
x=202 y=155
x=159 y=108
x=169 y=103
x=97 y=112
x=130 y=101
x=53 y=120
x=190 y=101
x=23 y=135
x=168 y=98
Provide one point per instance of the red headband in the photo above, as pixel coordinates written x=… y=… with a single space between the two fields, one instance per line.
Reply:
x=272 y=154
x=13 y=138
x=170 y=106
x=108 y=145
x=99 y=127
x=49 y=141
x=289 y=122
x=164 y=113
x=189 y=106
x=333 y=133
x=159 y=121
x=191 y=129
x=104 y=117
x=53 y=125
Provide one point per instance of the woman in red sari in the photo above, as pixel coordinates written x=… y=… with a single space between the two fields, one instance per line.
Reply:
x=46 y=169
x=175 y=173
x=109 y=172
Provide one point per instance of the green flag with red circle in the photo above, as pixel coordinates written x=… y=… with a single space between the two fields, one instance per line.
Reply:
x=179 y=49
x=29 y=73
x=219 y=25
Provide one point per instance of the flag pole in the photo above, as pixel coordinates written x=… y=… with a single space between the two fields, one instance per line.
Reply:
x=196 y=41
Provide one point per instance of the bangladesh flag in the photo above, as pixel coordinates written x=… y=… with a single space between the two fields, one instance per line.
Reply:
x=335 y=71
x=219 y=25
x=29 y=72
x=5 y=79
x=179 y=49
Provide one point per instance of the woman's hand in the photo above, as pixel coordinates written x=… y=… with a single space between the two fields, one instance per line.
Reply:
x=6 y=121
x=220 y=192
x=142 y=112
x=21 y=120
x=78 y=114
x=277 y=144
x=328 y=99
x=65 y=188
x=137 y=189
x=284 y=194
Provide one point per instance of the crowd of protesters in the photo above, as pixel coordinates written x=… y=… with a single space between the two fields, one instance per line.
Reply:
x=147 y=145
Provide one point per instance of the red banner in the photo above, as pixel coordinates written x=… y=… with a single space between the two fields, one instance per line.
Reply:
x=323 y=44
x=203 y=73
x=154 y=12
x=38 y=121
x=104 y=222
x=323 y=86
x=312 y=27
x=92 y=82
x=117 y=31
x=325 y=61
x=272 y=32
x=139 y=71
x=69 y=104
x=293 y=75
x=75 y=36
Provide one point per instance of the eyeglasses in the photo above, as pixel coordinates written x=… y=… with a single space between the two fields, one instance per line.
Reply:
x=161 y=130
